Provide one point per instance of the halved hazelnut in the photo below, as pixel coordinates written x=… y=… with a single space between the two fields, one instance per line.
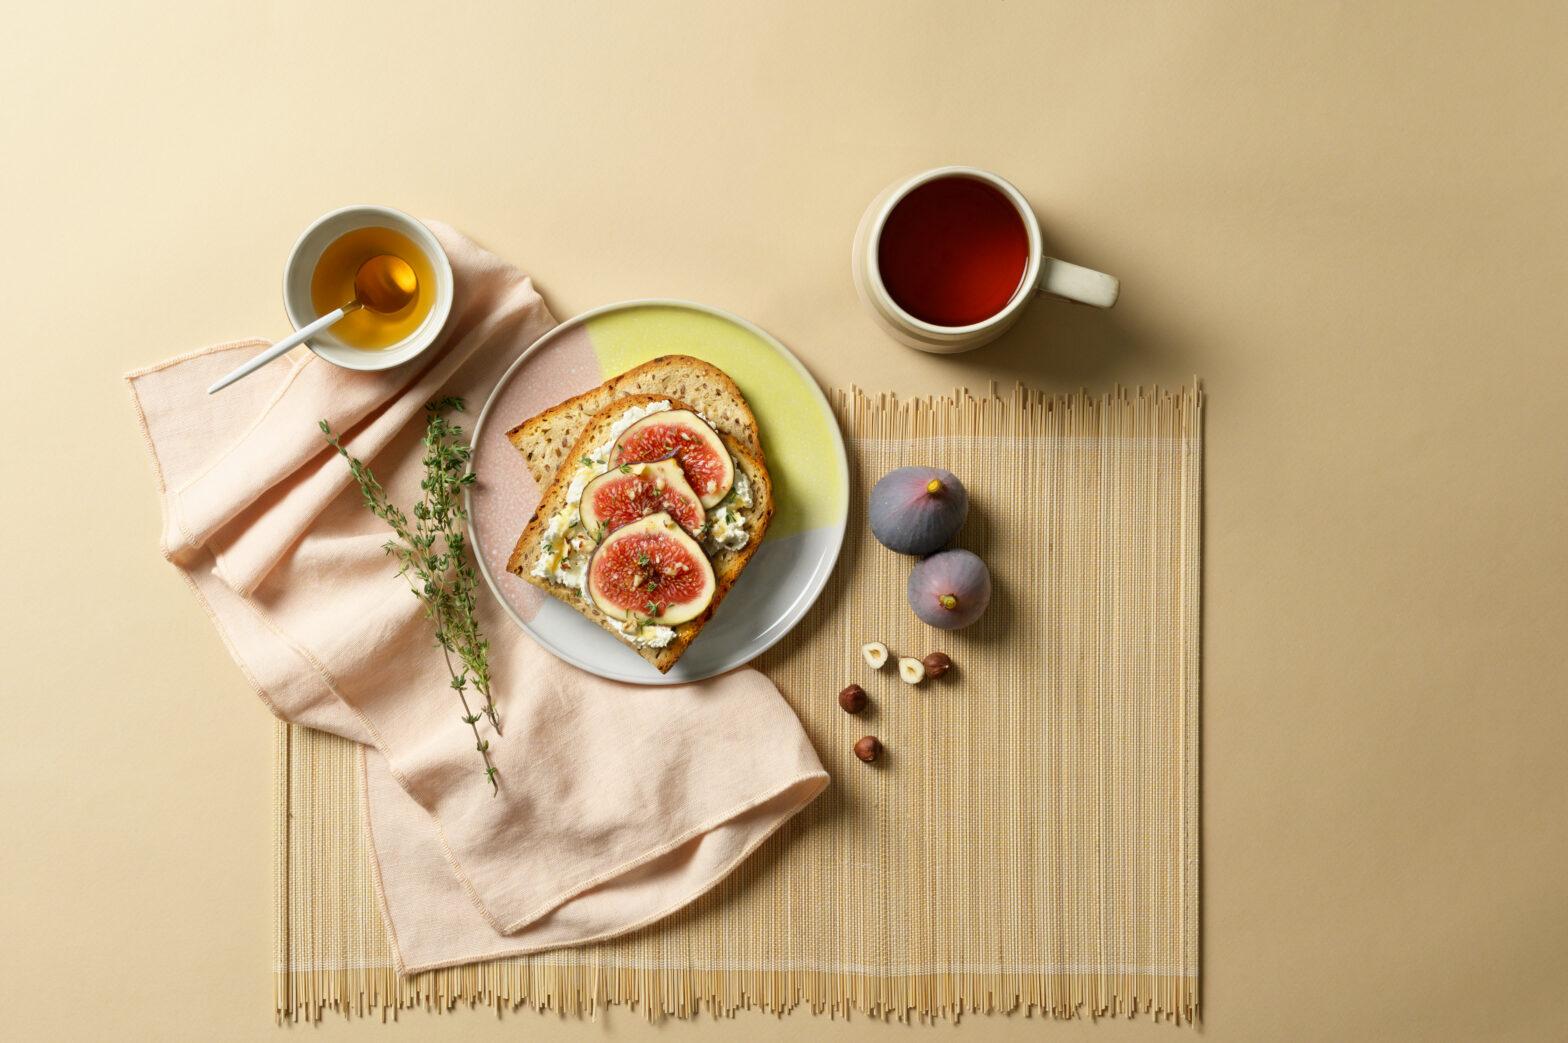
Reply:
x=913 y=671
x=875 y=654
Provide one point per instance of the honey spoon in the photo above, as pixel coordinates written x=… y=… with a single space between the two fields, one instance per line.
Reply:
x=384 y=284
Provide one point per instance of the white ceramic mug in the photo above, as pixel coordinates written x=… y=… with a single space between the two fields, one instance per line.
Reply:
x=1041 y=275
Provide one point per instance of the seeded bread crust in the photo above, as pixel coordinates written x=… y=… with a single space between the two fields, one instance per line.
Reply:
x=727 y=564
x=546 y=440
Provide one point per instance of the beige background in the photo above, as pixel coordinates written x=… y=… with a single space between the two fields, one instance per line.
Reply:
x=1350 y=220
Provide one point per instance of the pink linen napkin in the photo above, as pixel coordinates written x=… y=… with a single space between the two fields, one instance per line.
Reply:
x=618 y=804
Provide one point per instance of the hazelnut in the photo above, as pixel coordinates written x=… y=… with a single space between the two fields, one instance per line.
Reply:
x=875 y=653
x=868 y=749
x=937 y=664
x=852 y=699
x=913 y=671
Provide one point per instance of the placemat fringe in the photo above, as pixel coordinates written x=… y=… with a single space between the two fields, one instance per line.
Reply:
x=582 y=991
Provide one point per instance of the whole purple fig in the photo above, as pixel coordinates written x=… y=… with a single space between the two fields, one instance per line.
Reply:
x=950 y=590
x=916 y=510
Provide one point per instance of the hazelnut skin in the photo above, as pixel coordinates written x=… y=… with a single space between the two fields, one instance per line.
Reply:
x=852 y=699
x=868 y=749
x=937 y=664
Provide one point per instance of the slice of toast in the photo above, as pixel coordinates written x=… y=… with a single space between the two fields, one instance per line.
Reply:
x=546 y=440
x=727 y=564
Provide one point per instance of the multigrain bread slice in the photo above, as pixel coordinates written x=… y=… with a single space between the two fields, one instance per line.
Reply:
x=546 y=440
x=727 y=564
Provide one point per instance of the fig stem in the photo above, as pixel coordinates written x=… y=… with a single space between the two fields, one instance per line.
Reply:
x=947 y=601
x=934 y=486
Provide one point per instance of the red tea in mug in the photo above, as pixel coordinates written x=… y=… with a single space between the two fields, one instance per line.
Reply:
x=953 y=251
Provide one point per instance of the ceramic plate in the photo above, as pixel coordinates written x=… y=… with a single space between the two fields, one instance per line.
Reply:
x=800 y=437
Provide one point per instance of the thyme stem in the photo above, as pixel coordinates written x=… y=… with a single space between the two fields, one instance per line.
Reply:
x=431 y=557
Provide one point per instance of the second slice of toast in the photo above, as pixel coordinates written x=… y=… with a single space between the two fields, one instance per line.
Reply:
x=546 y=439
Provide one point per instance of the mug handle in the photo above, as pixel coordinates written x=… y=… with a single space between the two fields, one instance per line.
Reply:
x=1076 y=283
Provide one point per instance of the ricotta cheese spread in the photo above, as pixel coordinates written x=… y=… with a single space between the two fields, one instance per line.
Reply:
x=647 y=635
x=726 y=524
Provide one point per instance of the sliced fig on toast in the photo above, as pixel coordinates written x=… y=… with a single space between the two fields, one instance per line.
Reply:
x=684 y=435
x=626 y=493
x=653 y=570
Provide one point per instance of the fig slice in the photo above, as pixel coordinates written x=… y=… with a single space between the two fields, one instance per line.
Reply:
x=688 y=438
x=623 y=494
x=651 y=570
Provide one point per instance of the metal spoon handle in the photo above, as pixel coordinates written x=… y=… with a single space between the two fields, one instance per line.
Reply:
x=297 y=337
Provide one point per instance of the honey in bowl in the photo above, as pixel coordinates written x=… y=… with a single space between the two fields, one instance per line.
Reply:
x=332 y=286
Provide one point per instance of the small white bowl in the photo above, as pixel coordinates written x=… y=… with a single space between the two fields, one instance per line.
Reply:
x=302 y=264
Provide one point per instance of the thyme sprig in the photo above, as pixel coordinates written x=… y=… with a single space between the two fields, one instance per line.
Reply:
x=430 y=551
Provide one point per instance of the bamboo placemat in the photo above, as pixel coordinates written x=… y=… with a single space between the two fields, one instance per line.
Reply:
x=1030 y=838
